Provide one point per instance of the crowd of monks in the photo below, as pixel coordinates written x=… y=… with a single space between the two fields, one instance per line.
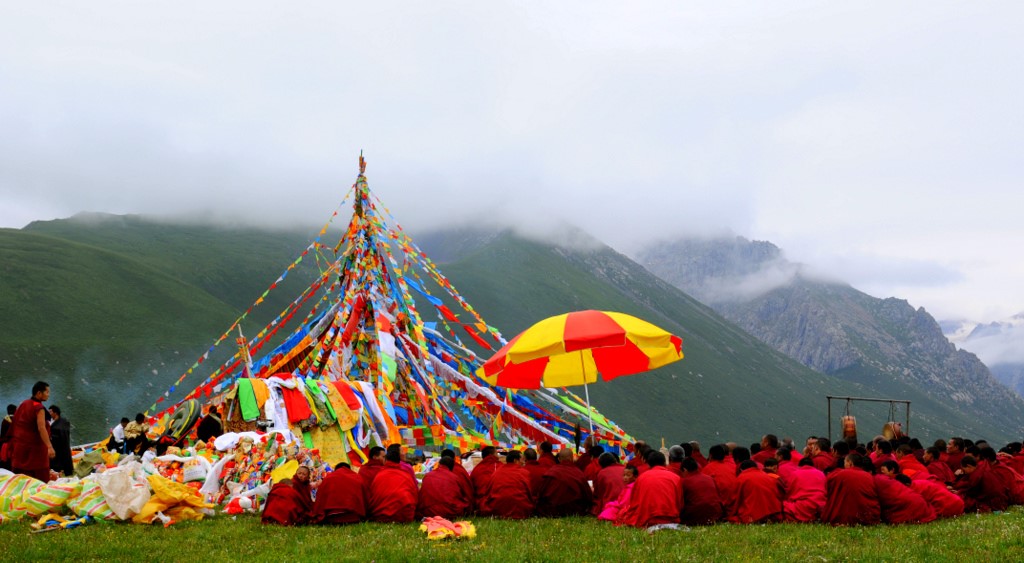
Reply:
x=885 y=481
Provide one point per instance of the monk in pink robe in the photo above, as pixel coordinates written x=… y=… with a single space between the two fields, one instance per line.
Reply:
x=614 y=509
x=805 y=493
x=608 y=483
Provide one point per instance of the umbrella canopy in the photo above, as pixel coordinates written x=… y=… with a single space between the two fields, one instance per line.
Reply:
x=574 y=348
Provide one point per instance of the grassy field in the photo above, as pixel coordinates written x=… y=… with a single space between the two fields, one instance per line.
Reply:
x=969 y=538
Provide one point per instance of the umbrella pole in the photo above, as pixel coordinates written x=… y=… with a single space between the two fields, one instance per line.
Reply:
x=586 y=391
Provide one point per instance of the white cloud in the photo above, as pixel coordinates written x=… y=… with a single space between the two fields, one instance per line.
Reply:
x=877 y=141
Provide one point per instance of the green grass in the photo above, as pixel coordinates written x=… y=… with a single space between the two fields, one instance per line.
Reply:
x=968 y=538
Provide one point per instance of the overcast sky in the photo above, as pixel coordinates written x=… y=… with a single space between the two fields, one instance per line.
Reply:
x=878 y=142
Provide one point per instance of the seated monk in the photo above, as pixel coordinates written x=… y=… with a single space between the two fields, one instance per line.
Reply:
x=899 y=503
x=588 y=455
x=769 y=446
x=821 y=455
x=945 y=503
x=590 y=471
x=289 y=502
x=1011 y=481
x=657 y=496
x=393 y=493
x=443 y=493
x=546 y=457
x=563 y=490
x=613 y=509
x=804 y=492
x=701 y=503
x=340 y=498
x=909 y=465
x=482 y=473
x=981 y=489
x=724 y=474
x=608 y=482
x=937 y=468
x=758 y=496
x=460 y=472
x=851 y=497
x=370 y=469
x=535 y=469
x=676 y=455
x=507 y=494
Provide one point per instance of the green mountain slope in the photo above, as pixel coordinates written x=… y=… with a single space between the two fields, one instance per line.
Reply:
x=728 y=386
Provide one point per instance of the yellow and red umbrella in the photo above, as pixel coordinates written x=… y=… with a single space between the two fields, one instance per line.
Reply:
x=576 y=348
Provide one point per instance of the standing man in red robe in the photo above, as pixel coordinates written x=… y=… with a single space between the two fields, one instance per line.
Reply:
x=340 y=498
x=507 y=494
x=758 y=496
x=370 y=469
x=608 y=483
x=724 y=474
x=851 y=495
x=393 y=493
x=482 y=473
x=31 y=450
x=805 y=492
x=701 y=503
x=657 y=496
x=443 y=493
x=564 y=490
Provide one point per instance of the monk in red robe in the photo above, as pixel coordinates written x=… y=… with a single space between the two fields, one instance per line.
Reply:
x=899 y=503
x=340 y=499
x=981 y=489
x=701 y=503
x=587 y=456
x=370 y=469
x=676 y=455
x=657 y=496
x=563 y=490
x=590 y=471
x=769 y=446
x=909 y=465
x=535 y=469
x=787 y=462
x=546 y=457
x=945 y=503
x=805 y=492
x=393 y=493
x=882 y=453
x=289 y=502
x=954 y=453
x=284 y=505
x=507 y=494
x=460 y=472
x=608 y=482
x=851 y=497
x=443 y=493
x=821 y=455
x=937 y=468
x=1011 y=481
x=482 y=473
x=640 y=451
x=724 y=474
x=696 y=454
x=758 y=496
x=30 y=446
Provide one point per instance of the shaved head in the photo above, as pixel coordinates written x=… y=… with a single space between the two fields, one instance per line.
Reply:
x=564 y=455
